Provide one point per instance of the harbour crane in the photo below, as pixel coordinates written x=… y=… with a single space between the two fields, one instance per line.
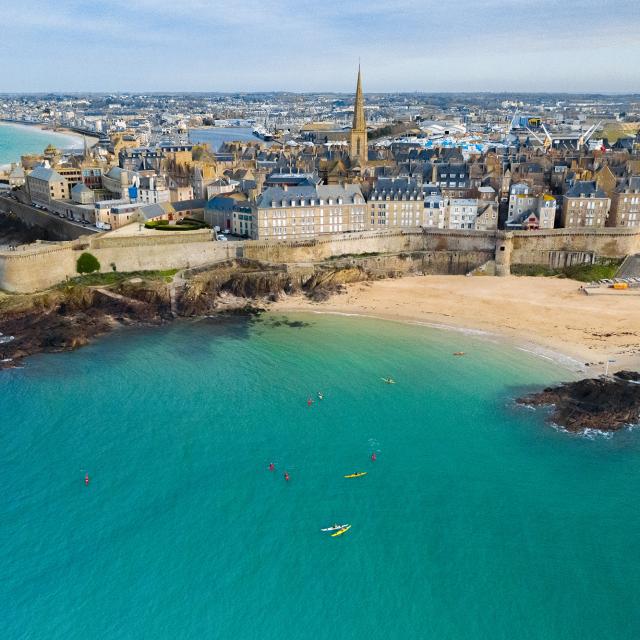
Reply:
x=585 y=137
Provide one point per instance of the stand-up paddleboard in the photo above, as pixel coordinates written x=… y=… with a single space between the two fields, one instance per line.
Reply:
x=341 y=531
x=357 y=475
x=335 y=527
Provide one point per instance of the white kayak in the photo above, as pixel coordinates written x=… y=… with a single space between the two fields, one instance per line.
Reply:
x=335 y=527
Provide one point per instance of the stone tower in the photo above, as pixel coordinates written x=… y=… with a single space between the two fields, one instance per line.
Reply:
x=358 y=137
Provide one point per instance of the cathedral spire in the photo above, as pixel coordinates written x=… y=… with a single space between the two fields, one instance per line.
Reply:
x=359 y=123
x=358 y=138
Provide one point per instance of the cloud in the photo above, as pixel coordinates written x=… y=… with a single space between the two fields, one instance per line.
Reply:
x=306 y=45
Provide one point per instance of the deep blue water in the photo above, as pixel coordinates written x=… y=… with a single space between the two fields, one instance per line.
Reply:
x=477 y=520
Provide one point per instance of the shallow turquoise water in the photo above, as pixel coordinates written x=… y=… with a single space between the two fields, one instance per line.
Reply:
x=19 y=140
x=476 y=520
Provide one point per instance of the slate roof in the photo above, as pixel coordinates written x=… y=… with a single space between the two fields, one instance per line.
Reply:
x=322 y=192
x=44 y=173
x=587 y=189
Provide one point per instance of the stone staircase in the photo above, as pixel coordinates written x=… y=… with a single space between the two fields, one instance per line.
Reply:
x=630 y=267
x=488 y=268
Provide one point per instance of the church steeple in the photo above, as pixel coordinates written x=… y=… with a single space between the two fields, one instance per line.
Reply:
x=358 y=137
x=358 y=111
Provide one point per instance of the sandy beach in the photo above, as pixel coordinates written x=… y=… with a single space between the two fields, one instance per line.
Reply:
x=548 y=316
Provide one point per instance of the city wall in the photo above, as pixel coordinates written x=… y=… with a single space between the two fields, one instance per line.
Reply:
x=42 y=265
x=57 y=228
x=563 y=247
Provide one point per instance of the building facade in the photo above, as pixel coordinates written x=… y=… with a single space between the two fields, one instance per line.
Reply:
x=44 y=185
x=396 y=203
x=302 y=213
x=585 y=205
x=625 y=204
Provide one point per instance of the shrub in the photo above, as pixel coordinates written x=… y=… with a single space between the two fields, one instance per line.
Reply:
x=87 y=263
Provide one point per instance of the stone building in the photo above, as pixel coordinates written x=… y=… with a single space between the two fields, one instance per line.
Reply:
x=44 y=184
x=306 y=212
x=625 y=204
x=585 y=205
x=396 y=203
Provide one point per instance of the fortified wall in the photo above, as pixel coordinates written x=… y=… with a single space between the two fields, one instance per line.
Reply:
x=57 y=228
x=43 y=265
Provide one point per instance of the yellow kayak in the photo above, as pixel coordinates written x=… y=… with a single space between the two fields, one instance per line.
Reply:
x=341 y=531
x=357 y=475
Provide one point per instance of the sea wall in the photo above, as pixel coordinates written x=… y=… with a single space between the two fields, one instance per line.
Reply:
x=563 y=247
x=37 y=267
x=42 y=265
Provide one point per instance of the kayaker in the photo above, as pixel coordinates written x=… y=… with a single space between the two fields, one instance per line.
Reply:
x=272 y=467
x=286 y=476
x=320 y=396
x=86 y=480
x=373 y=457
x=309 y=402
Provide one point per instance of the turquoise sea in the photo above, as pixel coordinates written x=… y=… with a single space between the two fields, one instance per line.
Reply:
x=476 y=521
x=17 y=140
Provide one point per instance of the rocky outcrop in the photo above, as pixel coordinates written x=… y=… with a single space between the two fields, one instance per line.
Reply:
x=68 y=317
x=605 y=404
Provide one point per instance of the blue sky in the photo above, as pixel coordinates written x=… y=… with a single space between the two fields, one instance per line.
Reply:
x=298 y=45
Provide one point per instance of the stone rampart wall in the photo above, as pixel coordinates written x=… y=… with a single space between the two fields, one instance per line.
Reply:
x=43 y=265
x=548 y=247
x=57 y=228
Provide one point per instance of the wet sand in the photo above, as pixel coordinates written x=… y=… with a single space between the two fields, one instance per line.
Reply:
x=549 y=316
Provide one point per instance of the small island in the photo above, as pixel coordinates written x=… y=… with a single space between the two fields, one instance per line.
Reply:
x=605 y=404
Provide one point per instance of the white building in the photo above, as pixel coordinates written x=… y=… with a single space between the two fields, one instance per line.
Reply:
x=460 y=213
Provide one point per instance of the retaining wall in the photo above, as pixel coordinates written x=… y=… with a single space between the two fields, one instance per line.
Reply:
x=42 y=265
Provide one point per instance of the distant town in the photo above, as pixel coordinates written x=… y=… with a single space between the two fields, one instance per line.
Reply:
x=322 y=164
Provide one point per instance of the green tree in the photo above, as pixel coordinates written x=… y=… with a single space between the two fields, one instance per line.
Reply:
x=87 y=263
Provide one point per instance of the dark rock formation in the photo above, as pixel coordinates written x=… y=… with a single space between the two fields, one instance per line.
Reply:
x=70 y=316
x=606 y=404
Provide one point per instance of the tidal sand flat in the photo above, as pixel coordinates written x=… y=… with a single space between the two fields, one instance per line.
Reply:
x=474 y=517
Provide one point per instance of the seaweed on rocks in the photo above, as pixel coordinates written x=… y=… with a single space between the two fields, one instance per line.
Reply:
x=603 y=404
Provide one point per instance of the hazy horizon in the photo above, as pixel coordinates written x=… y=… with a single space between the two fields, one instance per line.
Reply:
x=405 y=46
